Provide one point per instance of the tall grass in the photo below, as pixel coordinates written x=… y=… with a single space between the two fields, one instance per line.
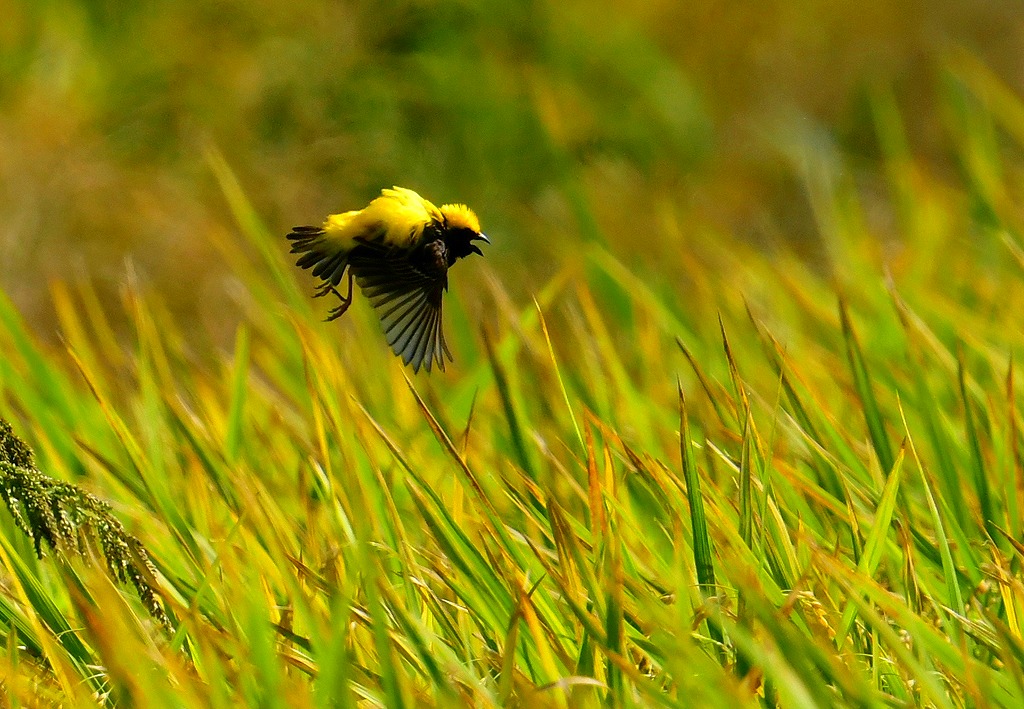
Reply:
x=737 y=480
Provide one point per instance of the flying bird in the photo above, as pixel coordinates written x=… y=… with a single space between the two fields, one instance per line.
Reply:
x=398 y=249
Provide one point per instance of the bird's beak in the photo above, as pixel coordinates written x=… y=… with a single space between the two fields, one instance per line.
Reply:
x=479 y=237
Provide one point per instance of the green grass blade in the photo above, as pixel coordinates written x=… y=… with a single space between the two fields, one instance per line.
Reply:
x=978 y=467
x=877 y=538
x=865 y=393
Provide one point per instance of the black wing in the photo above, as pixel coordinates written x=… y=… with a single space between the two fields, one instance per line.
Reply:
x=406 y=289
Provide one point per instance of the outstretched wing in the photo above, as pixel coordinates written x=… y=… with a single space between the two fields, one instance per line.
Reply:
x=406 y=290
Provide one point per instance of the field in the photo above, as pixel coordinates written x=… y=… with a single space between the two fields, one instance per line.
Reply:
x=735 y=416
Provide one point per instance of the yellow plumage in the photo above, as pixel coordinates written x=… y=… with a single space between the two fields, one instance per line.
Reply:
x=400 y=213
x=459 y=216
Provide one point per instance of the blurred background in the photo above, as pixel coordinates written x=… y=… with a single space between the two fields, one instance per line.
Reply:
x=647 y=127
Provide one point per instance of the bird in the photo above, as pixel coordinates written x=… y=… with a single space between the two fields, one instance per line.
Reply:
x=399 y=249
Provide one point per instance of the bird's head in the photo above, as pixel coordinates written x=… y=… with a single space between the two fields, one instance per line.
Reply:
x=461 y=229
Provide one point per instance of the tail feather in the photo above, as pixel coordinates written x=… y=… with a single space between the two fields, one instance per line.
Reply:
x=318 y=253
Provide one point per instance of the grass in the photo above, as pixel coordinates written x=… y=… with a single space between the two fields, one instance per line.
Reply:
x=813 y=501
x=699 y=473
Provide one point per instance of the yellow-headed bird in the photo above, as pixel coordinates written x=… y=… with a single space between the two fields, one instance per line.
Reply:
x=399 y=249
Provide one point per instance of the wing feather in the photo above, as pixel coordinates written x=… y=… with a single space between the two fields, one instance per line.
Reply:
x=407 y=295
x=386 y=306
x=422 y=339
x=439 y=347
x=401 y=329
x=415 y=348
x=434 y=352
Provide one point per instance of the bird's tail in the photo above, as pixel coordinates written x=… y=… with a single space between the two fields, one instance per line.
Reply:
x=318 y=253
